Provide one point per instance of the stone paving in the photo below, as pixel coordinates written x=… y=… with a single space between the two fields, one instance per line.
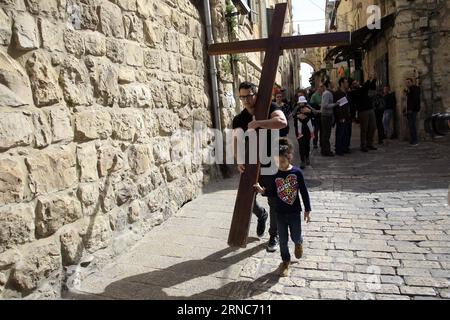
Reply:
x=380 y=230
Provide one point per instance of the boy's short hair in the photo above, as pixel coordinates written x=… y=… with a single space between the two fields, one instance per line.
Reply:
x=285 y=147
x=249 y=86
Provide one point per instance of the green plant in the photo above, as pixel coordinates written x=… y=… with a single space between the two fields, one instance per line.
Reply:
x=232 y=21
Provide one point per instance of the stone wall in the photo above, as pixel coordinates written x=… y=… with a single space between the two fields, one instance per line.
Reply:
x=91 y=92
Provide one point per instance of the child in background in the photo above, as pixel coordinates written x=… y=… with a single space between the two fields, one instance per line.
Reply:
x=304 y=130
x=285 y=187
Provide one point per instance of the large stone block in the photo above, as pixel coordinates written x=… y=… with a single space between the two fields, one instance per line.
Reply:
x=14 y=77
x=87 y=162
x=59 y=118
x=88 y=193
x=110 y=159
x=52 y=170
x=55 y=211
x=9 y=98
x=152 y=34
x=71 y=246
x=145 y=8
x=118 y=219
x=42 y=129
x=135 y=95
x=126 y=190
x=127 y=125
x=44 y=80
x=96 y=233
x=135 y=54
x=45 y=7
x=126 y=5
x=171 y=41
x=168 y=121
x=16 y=129
x=39 y=261
x=134 y=27
x=16 y=225
x=93 y=124
x=140 y=158
x=74 y=42
x=74 y=79
x=152 y=59
x=111 y=23
x=95 y=43
x=105 y=78
x=174 y=171
x=115 y=50
x=161 y=150
x=25 y=32
x=89 y=17
x=52 y=35
x=5 y=28
x=12 y=180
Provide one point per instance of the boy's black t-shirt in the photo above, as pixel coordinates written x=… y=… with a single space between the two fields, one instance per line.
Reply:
x=244 y=118
x=285 y=187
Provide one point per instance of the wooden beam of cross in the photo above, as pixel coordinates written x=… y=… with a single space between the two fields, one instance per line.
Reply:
x=273 y=45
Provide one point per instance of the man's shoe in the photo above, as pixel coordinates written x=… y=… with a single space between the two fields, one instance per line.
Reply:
x=348 y=151
x=339 y=153
x=372 y=148
x=283 y=269
x=302 y=165
x=261 y=227
x=298 y=250
x=272 y=244
x=414 y=144
x=316 y=147
x=308 y=162
x=364 y=149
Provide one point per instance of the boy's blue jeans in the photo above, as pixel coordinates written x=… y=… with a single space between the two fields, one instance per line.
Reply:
x=289 y=223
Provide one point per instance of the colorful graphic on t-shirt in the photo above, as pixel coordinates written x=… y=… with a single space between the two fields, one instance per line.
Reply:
x=287 y=189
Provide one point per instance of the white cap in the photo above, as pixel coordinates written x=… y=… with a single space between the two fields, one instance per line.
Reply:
x=302 y=99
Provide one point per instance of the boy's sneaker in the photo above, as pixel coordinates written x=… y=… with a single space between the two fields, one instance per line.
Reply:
x=283 y=269
x=261 y=227
x=298 y=251
x=272 y=244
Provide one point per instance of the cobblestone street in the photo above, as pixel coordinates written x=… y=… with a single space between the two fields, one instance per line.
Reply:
x=380 y=230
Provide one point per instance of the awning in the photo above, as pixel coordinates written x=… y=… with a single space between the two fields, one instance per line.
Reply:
x=361 y=40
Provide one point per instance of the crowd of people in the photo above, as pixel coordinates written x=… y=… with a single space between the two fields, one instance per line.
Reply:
x=314 y=116
x=316 y=113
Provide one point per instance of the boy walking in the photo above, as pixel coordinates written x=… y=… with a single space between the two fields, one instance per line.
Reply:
x=285 y=187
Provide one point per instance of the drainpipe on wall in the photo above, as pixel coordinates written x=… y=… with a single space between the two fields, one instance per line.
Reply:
x=212 y=67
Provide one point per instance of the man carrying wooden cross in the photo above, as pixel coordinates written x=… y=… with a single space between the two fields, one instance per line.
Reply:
x=246 y=121
x=272 y=45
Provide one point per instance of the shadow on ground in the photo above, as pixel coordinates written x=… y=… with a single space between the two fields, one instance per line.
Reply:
x=156 y=285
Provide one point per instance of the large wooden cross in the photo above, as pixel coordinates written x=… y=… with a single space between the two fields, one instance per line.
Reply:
x=273 y=45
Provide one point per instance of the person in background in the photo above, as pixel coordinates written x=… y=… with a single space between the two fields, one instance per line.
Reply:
x=342 y=116
x=315 y=103
x=286 y=110
x=412 y=108
x=390 y=105
x=327 y=119
x=304 y=131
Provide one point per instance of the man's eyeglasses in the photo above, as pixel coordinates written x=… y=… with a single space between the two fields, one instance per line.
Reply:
x=246 y=97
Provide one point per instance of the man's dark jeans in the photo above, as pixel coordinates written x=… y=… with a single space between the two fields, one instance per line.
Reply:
x=325 y=133
x=289 y=223
x=316 y=124
x=341 y=137
x=260 y=213
x=412 y=117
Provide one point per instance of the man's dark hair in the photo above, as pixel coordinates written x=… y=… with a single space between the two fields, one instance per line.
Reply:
x=285 y=147
x=326 y=83
x=248 y=86
x=341 y=81
x=410 y=79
